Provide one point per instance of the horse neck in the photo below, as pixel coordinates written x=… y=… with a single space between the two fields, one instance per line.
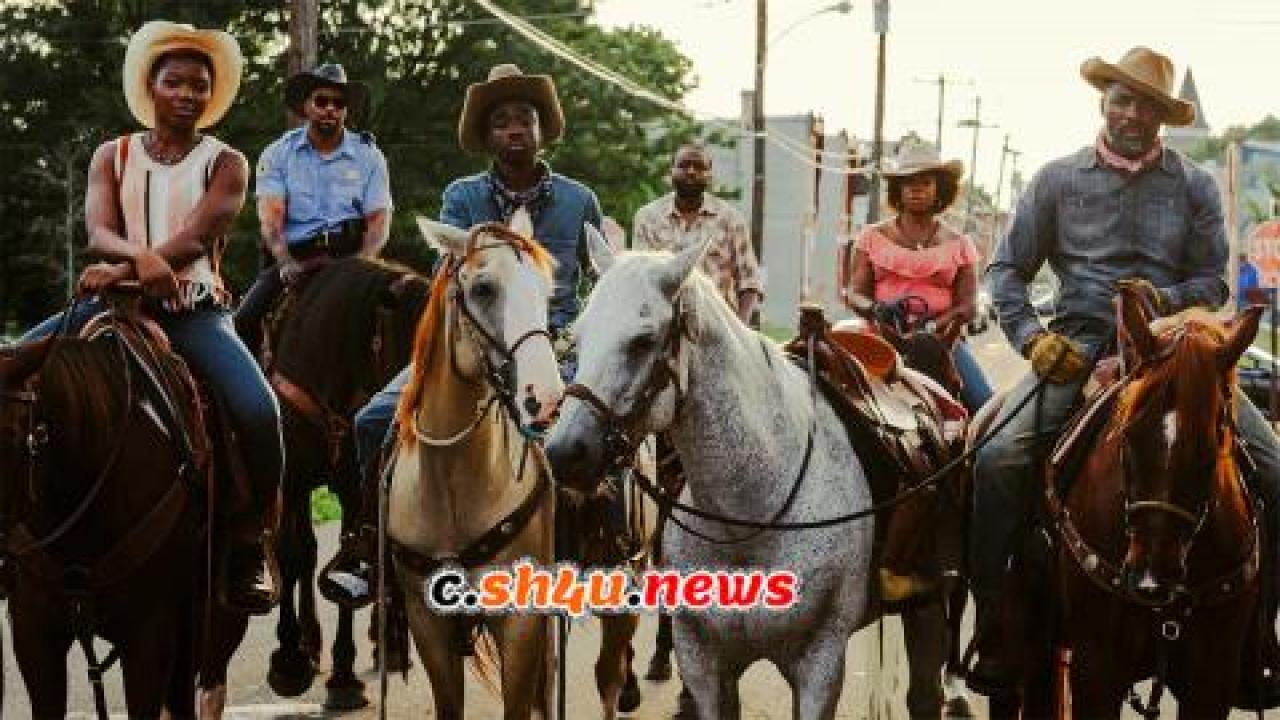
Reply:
x=746 y=417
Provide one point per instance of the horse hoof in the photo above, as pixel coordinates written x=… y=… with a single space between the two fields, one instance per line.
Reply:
x=659 y=669
x=344 y=693
x=291 y=673
x=957 y=707
x=629 y=698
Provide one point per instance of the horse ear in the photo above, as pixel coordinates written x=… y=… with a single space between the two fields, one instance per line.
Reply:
x=598 y=249
x=445 y=238
x=1241 y=331
x=1135 y=323
x=522 y=223
x=676 y=270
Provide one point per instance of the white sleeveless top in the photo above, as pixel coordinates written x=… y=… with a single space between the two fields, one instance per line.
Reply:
x=158 y=200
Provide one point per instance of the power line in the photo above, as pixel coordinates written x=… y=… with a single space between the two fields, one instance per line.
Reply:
x=560 y=50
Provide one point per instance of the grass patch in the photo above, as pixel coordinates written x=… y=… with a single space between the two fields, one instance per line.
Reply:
x=324 y=506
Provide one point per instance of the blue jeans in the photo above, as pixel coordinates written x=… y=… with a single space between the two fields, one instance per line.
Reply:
x=1006 y=488
x=208 y=343
x=976 y=391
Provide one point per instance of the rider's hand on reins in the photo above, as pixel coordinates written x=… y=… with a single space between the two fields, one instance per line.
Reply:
x=1056 y=358
x=155 y=275
x=98 y=277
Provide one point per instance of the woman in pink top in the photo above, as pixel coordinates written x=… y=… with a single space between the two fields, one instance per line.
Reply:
x=913 y=267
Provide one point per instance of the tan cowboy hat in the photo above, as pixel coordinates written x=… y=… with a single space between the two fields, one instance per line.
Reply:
x=159 y=37
x=914 y=158
x=1146 y=72
x=507 y=82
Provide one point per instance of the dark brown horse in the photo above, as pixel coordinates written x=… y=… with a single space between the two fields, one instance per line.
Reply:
x=1157 y=546
x=105 y=470
x=339 y=339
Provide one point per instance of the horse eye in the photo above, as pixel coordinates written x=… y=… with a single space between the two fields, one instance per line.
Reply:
x=640 y=345
x=483 y=292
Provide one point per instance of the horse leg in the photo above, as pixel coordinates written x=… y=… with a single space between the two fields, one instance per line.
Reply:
x=345 y=690
x=149 y=658
x=818 y=677
x=291 y=670
x=956 y=701
x=1094 y=694
x=431 y=635
x=40 y=644
x=521 y=641
x=711 y=680
x=924 y=630
x=615 y=680
x=311 y=639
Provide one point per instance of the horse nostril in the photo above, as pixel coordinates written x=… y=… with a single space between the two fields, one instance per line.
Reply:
x=531 y=405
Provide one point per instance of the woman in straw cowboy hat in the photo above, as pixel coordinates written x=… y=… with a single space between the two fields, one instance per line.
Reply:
x=158 y=208
x=914 y=256
x=1125 y=210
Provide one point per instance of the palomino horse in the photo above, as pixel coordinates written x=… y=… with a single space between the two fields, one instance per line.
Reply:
x=469 y=486
x=659 y=351
x=341 y=338
x=1157 y=540
x=104 y=470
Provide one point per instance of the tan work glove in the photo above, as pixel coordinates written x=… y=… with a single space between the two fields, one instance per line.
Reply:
x=1158 y=300
x=1056 y=358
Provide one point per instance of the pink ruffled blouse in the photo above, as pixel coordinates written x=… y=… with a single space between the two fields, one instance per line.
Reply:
x=928 y=272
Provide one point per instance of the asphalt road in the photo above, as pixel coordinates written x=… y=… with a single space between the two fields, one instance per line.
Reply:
x=874 y=680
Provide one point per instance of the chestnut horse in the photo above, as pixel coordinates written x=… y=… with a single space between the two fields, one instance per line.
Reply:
x=1157 y=548
x=339 y=339
x=105 y=468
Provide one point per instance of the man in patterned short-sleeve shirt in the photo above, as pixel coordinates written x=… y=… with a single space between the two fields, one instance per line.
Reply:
x=688 y=215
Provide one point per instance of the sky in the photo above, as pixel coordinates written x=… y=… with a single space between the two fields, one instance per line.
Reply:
x=1022 y=57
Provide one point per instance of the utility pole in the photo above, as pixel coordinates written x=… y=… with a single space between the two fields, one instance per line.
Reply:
x=976 y=123
x=995 y=210
x=304 y=24
x=877 y=146
x=941 y=82
x=758 y=130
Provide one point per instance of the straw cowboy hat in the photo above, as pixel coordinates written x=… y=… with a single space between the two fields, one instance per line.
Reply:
x=507 y=82
x=159 y=37
x=330 y=75
x=916 y=158
x=1146 y=72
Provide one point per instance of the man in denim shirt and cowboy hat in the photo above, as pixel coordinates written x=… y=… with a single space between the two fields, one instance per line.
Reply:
x=1124 y=210
x=323 y=191
x=508 y=117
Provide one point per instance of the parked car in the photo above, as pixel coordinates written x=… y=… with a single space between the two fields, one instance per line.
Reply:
x=1254 y=373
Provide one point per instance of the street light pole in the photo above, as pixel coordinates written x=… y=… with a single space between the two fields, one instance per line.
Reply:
x=758 y=130
x=304 y=22
x=877 y=146
x=976 y=123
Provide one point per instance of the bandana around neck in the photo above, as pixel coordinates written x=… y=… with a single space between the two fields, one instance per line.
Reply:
x=508 y=200
x=1120 y=163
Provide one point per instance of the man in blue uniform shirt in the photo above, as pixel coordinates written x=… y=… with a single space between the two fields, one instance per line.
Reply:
x=509 y=117
x=322 y=192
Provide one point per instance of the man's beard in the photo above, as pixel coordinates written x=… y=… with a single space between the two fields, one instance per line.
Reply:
x=689 y=191
x=327 y=129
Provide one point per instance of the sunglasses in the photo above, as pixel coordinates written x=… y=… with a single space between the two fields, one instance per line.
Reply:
x=324 y=101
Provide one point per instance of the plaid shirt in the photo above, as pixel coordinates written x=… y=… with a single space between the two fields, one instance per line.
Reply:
x=729 y=262
x=1094 y=226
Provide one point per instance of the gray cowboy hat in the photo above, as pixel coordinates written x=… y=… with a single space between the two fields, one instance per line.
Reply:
x=507 y=82
x=914 y=158
x=1147 y=73
x=332 y=75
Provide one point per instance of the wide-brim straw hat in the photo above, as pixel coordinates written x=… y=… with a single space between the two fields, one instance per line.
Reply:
x=916 y=158
x=1147 y=73
x=507 y=82
x=330 y=75
x=159 y=37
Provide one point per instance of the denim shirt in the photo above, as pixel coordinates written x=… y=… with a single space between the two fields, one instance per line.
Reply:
x=558 y=226
x=1094 y=226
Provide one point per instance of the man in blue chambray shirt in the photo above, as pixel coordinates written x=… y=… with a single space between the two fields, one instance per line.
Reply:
x=1125 y=210
x=509 y=117
x=323 y=192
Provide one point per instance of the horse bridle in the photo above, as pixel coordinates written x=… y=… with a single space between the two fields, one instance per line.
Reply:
x=622 y=433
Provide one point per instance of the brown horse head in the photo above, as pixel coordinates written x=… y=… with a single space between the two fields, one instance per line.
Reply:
x=1173 y=433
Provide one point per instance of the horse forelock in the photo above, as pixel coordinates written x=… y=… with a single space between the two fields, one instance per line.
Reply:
x=1187 y=383
x=530 y=247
